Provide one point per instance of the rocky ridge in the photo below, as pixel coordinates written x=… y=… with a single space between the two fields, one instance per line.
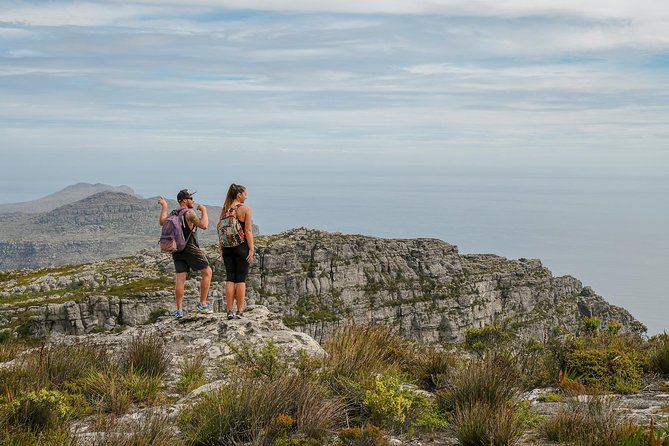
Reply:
x=317 y=281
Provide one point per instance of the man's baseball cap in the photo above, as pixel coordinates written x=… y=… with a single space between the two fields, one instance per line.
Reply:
x=184 y=194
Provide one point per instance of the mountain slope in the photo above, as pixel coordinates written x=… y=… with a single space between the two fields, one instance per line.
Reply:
x=101 y=226
x=69 y=194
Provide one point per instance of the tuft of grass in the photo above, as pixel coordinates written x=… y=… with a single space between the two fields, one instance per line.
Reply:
x=365 y=350
x=155 y=430
x=482 y=401
x=593 y=422
x=10 y=350
x=431 y=368
x=491 y=381
x=476 y=423
x=246 y=410
x=106 y=390
x=147 y=356
x=191 y=374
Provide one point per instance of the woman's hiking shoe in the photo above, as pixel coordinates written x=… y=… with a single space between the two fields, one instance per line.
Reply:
x=204 y=309
x=239 y=314
x=179 y=314
x=230 y=316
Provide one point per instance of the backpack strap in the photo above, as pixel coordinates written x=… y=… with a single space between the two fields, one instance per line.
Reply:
x=182 y=215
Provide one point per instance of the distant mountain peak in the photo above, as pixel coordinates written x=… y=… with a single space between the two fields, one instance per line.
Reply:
x=67 y=195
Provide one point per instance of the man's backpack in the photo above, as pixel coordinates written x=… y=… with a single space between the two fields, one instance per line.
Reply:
x=172 y=235
x=230 y=231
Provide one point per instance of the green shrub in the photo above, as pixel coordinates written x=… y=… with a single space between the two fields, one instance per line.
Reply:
x=38 y=411
x=591 y=325
x=659 y=353
x=191 y=374
x=594 y=422
x=605 y=361
x=147 y=356
x=425 y=415
x=538 y=364
x=387 y=403
x=257 y=363
x=155 y=315
x=550 y=398
x=488 y=338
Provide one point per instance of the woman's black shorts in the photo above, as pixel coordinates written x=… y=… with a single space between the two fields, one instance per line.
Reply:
x=236 y=266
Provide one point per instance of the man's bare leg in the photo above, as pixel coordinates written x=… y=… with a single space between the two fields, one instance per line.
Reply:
x=180 y=282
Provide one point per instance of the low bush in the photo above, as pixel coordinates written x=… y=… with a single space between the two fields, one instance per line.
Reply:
x=659 y=353
x=388 y=403
x=252 y=362
x=489 y=338
x=370 y=435
x=538 y=363
x=606 y=361
x=37 y=411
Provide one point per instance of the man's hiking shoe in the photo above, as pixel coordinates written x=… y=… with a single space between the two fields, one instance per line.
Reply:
x=230 y=316
x=204 y=309
x=239 y=314
x=179 y=314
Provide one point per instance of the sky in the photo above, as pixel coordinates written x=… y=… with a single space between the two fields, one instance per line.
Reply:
x=296 y=96
x=523 y=83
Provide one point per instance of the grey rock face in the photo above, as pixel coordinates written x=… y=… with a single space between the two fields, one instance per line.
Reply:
x=318 y=280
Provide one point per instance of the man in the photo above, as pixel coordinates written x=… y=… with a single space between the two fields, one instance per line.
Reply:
x=192 y=257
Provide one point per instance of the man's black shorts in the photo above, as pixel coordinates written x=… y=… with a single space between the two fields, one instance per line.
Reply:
x=191 y=258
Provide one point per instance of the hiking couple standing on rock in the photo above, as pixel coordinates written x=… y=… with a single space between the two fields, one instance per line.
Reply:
x=235 y=245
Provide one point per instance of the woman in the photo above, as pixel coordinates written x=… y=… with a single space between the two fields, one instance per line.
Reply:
x=235 y=243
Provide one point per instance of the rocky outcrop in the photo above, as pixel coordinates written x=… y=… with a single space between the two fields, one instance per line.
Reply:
x=424 y=287
x=317 y=281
